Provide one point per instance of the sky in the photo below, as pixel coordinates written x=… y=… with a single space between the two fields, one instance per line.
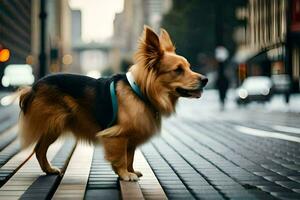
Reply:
x=97 y=17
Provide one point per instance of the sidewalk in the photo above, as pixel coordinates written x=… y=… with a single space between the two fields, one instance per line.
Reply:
x=194 y=157
x=277 y=102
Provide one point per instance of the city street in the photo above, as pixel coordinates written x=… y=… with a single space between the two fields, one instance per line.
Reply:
x=114 y=68
x=201 y=153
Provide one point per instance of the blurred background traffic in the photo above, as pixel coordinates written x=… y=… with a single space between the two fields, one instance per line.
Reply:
x=249 y=49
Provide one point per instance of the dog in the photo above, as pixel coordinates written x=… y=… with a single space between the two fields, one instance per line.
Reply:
x=79 y=104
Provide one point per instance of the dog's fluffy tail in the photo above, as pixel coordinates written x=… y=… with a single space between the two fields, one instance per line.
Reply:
x=26 y=136
x=26 y=96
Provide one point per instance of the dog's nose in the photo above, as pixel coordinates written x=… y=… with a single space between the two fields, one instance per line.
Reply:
x=204 y=81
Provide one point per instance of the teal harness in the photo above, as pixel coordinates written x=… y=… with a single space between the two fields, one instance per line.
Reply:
x=114 y=99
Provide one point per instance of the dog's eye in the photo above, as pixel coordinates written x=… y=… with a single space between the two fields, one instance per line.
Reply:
x=178 y=70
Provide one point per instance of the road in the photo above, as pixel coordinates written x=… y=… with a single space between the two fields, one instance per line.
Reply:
x=201 y=153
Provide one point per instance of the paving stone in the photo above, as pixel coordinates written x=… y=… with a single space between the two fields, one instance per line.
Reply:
x=209 y=196
x=286 y=195
x=180 y=192
x=289 y=184
x=274 y=189
x=276 y=178
x=265 y=173
x=295 y=178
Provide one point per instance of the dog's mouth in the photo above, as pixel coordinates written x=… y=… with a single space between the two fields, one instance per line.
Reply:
x=195 y=93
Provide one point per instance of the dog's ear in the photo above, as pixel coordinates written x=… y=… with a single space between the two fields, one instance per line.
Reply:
x=166 y=41
x=149 y=50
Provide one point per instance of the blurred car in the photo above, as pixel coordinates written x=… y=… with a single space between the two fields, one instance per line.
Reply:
x=16 y=75
x=281 y=83
x=255 y=88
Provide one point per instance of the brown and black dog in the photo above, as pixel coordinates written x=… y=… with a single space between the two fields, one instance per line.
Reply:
x=70 y=103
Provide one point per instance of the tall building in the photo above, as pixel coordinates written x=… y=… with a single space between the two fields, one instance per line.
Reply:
x=128 y=26
x=76 y=26
x=76 y=39
x=15 y=31
x=59 y=35
x=293 y=42
x=271 y=44
x=154 y=10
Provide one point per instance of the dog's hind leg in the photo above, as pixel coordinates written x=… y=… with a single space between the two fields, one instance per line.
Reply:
x=41 y=153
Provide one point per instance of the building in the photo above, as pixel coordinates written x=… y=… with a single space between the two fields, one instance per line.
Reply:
x=15 y=31
x=271 y=41
x=128 y=26
x=293 y=42
x=20 y=32
x=76 y=26
x=76 y=39
x=154 y=11
x=59 y=36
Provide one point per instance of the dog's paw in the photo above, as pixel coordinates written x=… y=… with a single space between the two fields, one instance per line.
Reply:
x=139 y=174
x=53 y=170
x=129 y=177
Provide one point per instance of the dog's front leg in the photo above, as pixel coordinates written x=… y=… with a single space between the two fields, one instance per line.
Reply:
x=116 y=153
x=130 y=158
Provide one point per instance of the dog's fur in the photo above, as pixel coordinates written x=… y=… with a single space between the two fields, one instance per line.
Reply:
x=162 y=75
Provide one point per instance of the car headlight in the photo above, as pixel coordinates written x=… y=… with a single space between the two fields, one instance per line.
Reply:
x=243 y=93
x=5 y=81
x=265 y=91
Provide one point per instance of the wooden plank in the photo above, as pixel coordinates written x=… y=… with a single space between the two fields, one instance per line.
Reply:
x=9 y=151
x=8 y=136
x=8 y=117
x=103 y=182
x=131 y=190
x=76 y=176
x=44 y=186
x=14 y=164
x=149 y=184
x=27 y=174
x=6 y=132
x=147 y=187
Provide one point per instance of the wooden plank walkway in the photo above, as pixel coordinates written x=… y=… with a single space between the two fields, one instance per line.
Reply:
x=76 y=176
x=149 y=184
x=189 y=160
x=86 y=174
x=26 y=175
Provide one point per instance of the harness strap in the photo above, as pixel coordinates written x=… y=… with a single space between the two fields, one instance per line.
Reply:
x=114 y=102
x=114 y=99
x=134 y=86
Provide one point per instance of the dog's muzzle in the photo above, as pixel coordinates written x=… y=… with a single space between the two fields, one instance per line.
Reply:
x=203 y=81
x=193 y=93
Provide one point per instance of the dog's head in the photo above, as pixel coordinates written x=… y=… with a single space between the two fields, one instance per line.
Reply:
x=163 y=75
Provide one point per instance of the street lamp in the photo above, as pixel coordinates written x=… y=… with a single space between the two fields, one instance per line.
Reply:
x=43 y=56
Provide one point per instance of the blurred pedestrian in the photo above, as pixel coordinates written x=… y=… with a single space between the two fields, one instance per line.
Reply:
x=222 y=84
